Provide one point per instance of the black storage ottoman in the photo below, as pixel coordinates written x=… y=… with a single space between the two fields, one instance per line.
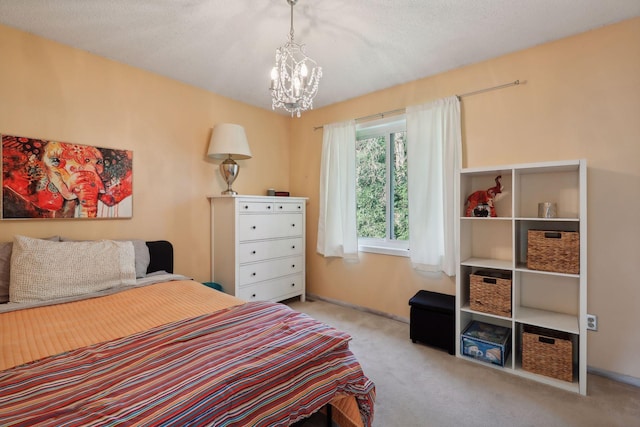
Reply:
x=432 y=320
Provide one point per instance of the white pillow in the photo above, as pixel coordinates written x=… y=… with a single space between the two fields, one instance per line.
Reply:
x=141 y=250
x=42 y=270
x=5 y=267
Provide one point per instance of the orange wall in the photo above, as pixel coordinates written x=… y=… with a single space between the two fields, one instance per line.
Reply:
x=581 y=99
x=51 y=91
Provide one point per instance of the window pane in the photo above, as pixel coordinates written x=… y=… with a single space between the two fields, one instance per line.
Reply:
x=371 y=165
x=399 y=183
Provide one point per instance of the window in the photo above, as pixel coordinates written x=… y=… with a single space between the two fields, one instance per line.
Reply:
x=381 y=187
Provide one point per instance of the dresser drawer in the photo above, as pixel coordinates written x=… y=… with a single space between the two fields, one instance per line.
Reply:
x=251 y=273
x=288 y=207
x=256 y=227
x=254 y=207
x=259 y=251
x=273 y=290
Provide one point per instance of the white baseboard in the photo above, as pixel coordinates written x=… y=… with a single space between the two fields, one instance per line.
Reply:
x=627 y=379
x=358 y=307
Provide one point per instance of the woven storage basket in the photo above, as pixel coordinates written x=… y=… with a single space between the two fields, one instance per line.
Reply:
x=548 y=353
x=557 y=251
x=490 y=293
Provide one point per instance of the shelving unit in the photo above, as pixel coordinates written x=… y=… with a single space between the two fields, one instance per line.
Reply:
x=552 y=300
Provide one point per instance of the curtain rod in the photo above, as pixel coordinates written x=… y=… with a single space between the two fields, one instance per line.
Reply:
x=402 y=110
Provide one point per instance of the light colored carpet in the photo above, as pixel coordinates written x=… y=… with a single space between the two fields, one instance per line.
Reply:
x=417 y=385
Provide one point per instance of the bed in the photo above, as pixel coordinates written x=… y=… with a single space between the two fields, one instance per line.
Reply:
x=159 y=348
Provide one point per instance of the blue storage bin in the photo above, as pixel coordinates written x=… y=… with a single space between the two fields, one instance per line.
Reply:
x=486 y=342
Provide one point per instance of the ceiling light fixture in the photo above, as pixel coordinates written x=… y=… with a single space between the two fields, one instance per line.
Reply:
x=295 y=77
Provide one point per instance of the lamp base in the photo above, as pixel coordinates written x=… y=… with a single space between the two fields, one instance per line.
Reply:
x=229 y=171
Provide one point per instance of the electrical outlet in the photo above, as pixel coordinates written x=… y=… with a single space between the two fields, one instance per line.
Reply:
x=592 y=322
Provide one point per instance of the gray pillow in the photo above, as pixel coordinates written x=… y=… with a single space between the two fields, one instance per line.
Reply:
x=142 y=257
x=5 y=270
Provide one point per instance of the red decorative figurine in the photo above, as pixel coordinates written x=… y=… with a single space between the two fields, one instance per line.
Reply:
x=480 y=203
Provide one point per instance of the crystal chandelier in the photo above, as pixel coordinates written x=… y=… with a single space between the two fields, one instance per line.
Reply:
x=295 y=77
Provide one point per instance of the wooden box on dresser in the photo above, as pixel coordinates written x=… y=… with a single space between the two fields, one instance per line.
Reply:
x=555 y=301
x=258 y=246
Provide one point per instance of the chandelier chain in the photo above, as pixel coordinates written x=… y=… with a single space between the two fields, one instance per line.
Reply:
x=291 y=29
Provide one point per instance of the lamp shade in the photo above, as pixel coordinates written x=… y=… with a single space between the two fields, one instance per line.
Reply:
x=228 y=141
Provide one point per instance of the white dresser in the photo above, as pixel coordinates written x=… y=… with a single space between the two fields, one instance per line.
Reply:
x=258 y=246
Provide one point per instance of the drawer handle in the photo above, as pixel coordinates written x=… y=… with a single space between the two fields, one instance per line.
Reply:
x=246 y=206
x=280 y=207
x=293 y=266
x=546 y=340
x=253 y=295
x=293 y=246
x=293 y=285
x=293 y=225
x=489 y=280
x=253 y=252
x=268 y=207
x=253 y=227
x=299 y=207
x=253 y=274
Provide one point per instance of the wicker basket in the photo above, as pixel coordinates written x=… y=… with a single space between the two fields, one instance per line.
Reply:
x=548 y=353
x=491 y=293
x=557 y=251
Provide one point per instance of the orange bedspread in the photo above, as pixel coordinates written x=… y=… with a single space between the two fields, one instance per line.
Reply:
x=35 y=333
x=31 y=334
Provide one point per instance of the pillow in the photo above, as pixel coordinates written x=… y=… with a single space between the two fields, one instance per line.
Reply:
x=42 y=270
x=142 y=257
x=141 y=250
x=5 y=264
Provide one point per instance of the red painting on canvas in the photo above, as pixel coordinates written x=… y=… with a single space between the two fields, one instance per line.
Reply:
x=51 y=179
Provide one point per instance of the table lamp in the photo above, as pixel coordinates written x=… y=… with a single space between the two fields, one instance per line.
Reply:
x=229 y=142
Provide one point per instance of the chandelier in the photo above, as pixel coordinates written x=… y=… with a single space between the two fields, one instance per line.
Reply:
x=295 y=77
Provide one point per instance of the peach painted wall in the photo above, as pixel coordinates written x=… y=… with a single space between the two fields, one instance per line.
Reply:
x=580 y=99
x=51 y=91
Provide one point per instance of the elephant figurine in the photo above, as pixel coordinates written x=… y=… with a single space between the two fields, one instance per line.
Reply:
x=480 y=203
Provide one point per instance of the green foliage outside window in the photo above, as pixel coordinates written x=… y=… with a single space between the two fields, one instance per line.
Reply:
x=372 y=188
x=400 y=188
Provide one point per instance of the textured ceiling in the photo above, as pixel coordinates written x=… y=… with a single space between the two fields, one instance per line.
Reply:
x=228 y=46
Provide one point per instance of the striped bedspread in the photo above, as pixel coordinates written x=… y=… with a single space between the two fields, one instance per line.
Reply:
x=257 y=364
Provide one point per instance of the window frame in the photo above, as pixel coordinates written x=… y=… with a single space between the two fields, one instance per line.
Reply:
x=375 y=128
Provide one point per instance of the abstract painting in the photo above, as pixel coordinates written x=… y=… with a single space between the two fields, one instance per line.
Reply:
x=52 y=179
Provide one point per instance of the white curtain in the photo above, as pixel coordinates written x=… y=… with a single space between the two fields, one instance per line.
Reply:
x=434 y=147
x=337 y=230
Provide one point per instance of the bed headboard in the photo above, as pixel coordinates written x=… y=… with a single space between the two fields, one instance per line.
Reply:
x=161 y=254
